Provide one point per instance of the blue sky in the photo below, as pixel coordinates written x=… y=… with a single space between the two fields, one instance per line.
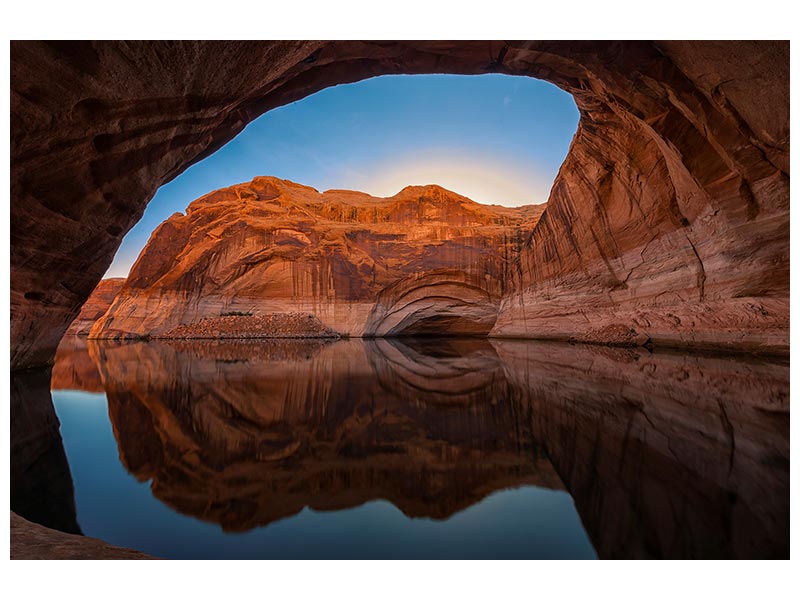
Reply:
x=493 y=138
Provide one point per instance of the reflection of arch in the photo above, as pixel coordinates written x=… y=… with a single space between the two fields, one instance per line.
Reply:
x=444 y=302
x=244 y=444
x=446 y=371
x=675 y=190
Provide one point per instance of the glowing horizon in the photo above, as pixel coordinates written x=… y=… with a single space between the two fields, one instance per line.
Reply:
x=471 y=176
x=495 y=139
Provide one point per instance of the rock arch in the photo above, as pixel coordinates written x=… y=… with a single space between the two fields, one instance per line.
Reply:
x=669 y=218
x=440 y=302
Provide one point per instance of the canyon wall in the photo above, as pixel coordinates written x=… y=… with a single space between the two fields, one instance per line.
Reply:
x=361 y=265
x=669 y=219
x=96 y=305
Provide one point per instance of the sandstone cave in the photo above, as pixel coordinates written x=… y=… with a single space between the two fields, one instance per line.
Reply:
x=669 y=220
x=667 y=227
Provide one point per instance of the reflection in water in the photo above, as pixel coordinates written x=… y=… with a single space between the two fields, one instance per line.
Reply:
x=665 y=455
x=245 y=441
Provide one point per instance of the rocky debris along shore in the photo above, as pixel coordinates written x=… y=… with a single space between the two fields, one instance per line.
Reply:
x=31 y=541
x=249 y=326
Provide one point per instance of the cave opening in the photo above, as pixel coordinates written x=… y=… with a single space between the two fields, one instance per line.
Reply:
x=494 y=140
x=669 y=171
x=668 y=221
x=444 y=326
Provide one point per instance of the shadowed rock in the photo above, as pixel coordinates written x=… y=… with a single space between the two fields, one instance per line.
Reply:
x=30 y=541
x=666 y=455
x=41 y=482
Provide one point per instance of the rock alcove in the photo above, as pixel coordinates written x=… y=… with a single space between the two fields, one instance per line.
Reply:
x=668 y=221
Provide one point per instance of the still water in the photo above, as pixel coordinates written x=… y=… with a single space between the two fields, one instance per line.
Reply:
x=414 y=448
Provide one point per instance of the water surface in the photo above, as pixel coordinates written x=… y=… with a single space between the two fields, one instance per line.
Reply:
x=414 y=448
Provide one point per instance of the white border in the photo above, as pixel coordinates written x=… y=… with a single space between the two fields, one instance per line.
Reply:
x=412 y=19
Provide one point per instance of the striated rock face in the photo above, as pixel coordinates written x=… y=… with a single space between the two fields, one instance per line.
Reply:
x=96 y=305
x=670 y=216
x=424 y=261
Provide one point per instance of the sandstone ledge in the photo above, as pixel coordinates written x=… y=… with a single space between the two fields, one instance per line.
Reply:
x=30 y=541
x=250 y=326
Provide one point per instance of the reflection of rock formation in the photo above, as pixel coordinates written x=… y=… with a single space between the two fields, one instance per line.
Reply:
x=244 y=443
x=665 y=455
x=273 y=246
x=41 y=483
x=458 y=371
x=74 y=369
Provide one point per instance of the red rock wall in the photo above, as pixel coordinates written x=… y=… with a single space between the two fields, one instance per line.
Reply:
x=96 y=305
x=274 y=246
x=670 y=216
x=668 y=220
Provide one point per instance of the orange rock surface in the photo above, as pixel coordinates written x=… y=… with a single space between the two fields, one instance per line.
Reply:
x=425 y=260
x=96 y=305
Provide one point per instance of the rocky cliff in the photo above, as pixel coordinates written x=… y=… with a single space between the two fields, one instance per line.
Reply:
x=426 y=260
x=96 y=305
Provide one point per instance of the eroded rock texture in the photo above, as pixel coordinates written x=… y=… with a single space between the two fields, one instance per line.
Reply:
x=668 y=220
x=96 y=305
x=361 y=265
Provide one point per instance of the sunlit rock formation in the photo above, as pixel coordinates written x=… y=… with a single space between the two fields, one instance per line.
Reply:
x=669 y=218
x=424 y=260
x=96 y=305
